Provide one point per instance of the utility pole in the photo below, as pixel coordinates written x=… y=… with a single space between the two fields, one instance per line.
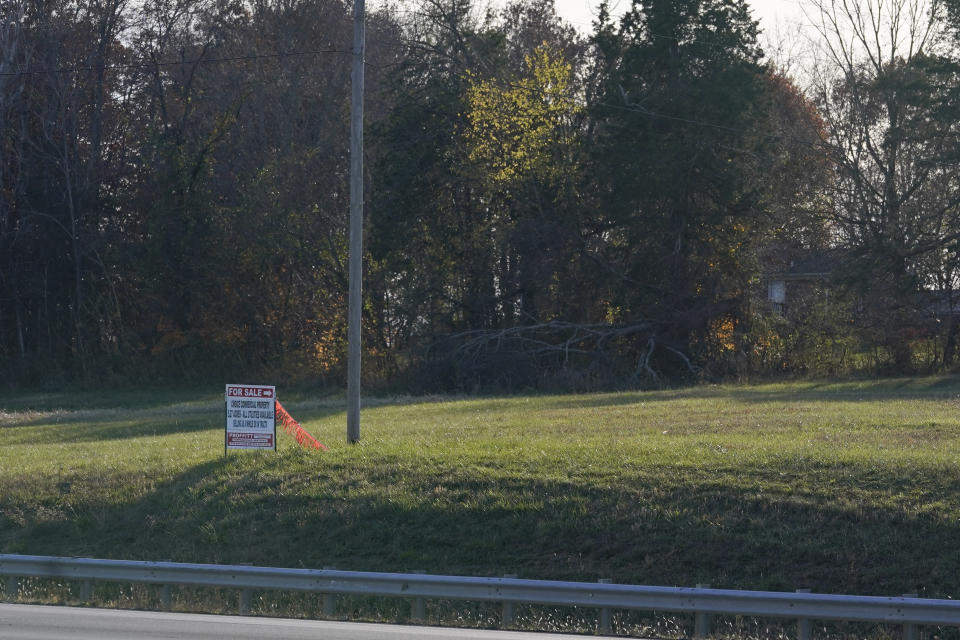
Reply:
x=356 y=227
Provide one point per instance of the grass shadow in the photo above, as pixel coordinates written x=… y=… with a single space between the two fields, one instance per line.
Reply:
x=130 y=399
x=95 y=425
x=753 y=528
x=796 y=392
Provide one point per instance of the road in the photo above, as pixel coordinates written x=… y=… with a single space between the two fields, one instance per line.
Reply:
x=33 y=622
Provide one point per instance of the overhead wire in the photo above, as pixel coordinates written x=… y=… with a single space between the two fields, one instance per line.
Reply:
x=335 y=51
x=254 y=57
x=170 y=63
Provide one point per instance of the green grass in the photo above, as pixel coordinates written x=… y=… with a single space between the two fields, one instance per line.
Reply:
x=837 y=487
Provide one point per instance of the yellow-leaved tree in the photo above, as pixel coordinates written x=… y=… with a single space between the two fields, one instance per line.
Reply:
x=521 y=146
x=522 y=127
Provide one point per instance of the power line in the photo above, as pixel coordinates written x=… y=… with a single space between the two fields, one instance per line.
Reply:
x=253 y=57
x=172 y=63
x=279 y=55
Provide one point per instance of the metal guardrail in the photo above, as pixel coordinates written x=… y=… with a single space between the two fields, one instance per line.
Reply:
x=702 y=601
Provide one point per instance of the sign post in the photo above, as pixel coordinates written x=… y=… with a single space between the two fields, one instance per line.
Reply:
x=251 y=417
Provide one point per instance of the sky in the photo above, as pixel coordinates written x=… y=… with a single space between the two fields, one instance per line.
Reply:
x=770 y=13
x=775 y=16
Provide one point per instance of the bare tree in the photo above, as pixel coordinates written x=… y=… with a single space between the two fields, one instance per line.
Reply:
x=11 y=90
x=884 y=86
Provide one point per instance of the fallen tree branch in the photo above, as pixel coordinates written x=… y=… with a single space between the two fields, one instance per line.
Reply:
x=551 y=347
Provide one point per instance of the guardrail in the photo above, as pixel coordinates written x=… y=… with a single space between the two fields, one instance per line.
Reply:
x=702 y=601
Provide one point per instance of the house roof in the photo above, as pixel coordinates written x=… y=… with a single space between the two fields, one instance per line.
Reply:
x=810 y=265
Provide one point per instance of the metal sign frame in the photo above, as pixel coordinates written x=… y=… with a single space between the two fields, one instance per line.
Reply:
x=250 y=420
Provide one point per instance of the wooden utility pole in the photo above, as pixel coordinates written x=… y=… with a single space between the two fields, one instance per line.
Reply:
x=356 y=227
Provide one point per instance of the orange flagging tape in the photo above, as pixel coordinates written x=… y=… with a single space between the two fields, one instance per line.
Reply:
x=293 y=427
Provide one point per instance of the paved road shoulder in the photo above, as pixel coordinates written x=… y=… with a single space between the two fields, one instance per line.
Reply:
x=36 y=622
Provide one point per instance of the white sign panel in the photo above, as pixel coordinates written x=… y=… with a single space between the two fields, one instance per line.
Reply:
x=251 y=417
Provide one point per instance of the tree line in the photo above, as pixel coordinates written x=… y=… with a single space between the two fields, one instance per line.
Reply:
x=546 y=209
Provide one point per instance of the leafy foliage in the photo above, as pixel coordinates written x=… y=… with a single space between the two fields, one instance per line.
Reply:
x=519 y=130
x=173 y=191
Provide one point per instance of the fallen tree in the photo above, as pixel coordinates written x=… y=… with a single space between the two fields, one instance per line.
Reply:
x=554 y=354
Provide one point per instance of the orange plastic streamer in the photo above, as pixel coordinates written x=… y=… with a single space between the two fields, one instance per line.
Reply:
x=291 y=426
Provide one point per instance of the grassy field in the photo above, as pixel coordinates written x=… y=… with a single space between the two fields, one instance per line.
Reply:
x=837 y=487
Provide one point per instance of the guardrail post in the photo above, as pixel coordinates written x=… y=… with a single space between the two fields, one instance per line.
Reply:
x=701 y=621
x=804 y=625
x=604 y=622
x=419 y=606
x=245 y=596
x=330 y=605
x=911 y=631
x=13 y=586
x=86 y=591
x=166 y=592
x=506 y=617
x=330 y=600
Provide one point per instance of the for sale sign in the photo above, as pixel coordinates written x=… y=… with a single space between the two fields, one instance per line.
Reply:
x=251 y=417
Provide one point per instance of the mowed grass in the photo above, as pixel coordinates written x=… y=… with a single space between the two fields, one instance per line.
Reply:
x=837 y=487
